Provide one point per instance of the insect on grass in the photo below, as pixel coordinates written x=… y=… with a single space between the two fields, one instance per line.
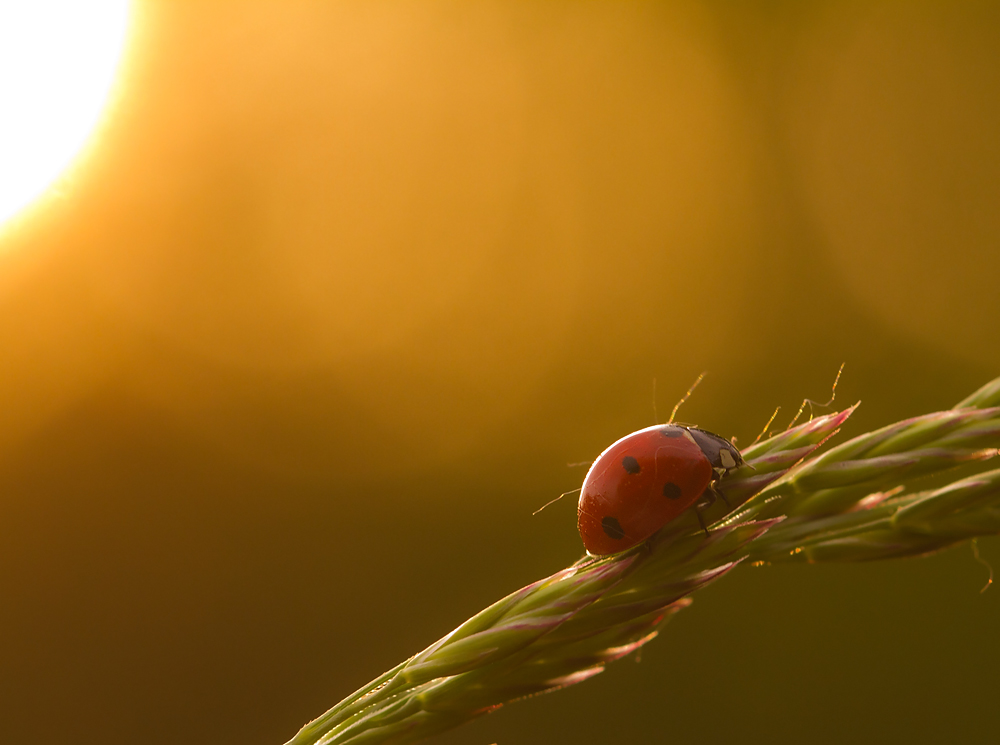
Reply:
x=800 y=501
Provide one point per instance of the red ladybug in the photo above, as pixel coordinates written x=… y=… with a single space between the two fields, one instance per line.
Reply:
x=645 y=480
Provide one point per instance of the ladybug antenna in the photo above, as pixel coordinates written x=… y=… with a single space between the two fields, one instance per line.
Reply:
x=553 y=501
x=656 y=418
x=685 y=397
x=833 y=395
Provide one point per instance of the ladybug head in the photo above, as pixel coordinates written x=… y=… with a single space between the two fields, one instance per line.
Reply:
x=721 y=453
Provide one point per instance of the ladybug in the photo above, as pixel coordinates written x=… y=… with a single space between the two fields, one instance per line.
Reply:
x=645 y=480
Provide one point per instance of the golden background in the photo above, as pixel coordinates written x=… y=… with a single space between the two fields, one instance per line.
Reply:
x=342 y=287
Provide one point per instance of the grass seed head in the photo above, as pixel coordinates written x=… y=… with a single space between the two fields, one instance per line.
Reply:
x=859 y=501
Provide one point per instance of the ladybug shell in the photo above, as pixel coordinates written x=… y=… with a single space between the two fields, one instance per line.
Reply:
x=645 y=480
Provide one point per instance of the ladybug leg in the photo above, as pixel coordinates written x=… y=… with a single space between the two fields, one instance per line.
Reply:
x=719 y=493
x=707 y=499
x=712 y=493
x=701 y=520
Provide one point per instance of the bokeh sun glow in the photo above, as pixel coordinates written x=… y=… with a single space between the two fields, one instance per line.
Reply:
x=58 y=60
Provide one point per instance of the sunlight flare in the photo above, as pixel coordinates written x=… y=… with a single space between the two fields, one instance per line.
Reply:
x=58 y=61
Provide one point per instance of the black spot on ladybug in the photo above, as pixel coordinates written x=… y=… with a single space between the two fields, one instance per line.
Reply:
x=671 y=432
x=613 y=528
x=630 y=464
x=671 y=490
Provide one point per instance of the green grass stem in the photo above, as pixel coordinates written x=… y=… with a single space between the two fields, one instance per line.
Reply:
x=858 y=501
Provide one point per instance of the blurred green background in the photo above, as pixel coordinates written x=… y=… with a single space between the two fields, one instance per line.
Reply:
x=344 y=286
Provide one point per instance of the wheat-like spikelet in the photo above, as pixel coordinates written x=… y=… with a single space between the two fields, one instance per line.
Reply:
x=850 y=503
